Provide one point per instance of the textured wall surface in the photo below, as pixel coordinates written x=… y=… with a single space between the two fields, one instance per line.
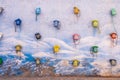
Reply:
x=60 y=63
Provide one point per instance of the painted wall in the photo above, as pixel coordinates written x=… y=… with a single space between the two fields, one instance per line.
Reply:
x=61 y=10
